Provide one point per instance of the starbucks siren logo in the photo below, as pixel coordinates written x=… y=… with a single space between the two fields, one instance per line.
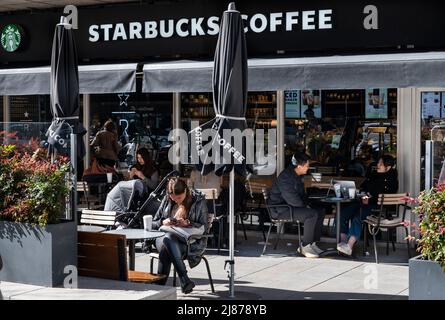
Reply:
x=11 y=38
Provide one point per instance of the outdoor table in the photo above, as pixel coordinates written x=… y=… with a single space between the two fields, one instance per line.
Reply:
x=132 y=235
x=337 y=202
x=87 y=228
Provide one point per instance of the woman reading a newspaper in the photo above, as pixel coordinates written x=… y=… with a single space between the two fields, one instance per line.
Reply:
x=183 y=212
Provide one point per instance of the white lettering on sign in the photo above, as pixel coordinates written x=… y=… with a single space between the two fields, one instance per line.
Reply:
x=292 y=21
x=135 y=30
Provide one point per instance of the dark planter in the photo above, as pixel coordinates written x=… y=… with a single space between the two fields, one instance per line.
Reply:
x=36 y=255
x=426 y=280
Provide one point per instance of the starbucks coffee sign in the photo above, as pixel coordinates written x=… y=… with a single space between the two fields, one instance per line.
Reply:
x=11 y=37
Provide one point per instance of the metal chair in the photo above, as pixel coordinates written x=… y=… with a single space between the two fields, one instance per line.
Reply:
x=279 y=222
x=387 y=217
x=189 y=252
x=212 y=194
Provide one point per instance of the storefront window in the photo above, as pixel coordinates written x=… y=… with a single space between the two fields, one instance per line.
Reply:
x=433 y=114
x=261 y=114
x=143 y=120
x=32 y=108
x=343 y=131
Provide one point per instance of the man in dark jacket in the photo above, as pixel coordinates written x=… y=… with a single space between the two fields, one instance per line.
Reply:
x=288 y=189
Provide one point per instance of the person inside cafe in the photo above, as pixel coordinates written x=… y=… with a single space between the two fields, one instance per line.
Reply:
x=105 y=145
x=183 y=207
x=288 y=189
x=145 y=170
x=382 y=180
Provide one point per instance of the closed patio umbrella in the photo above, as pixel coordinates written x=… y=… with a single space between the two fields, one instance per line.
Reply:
x=64 y=94
x=229 y=97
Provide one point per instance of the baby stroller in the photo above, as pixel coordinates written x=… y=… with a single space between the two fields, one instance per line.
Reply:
x=128 y=201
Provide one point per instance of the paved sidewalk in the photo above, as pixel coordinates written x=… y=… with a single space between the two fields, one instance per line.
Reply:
x=282 y=275
x=88 y=289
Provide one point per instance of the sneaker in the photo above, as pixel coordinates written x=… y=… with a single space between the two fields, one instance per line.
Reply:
x=316 y=248
x=308 y=251
x=344 y=248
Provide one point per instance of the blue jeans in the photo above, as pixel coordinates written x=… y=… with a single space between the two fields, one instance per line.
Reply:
x=352 y=212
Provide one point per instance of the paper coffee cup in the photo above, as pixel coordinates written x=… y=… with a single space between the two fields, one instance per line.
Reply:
x=109 y=177
x=352 y=193
x=148 y=219
x=337 y=189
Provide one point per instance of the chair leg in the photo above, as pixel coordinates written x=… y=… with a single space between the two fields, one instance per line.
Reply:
x=267 y=239
x=151 y=265
x=174 y=277
x=279 y=227
x=220 y=233
x=393 y=238
x=244 y=227
x=365 y=239
x=407 y=243
x=375 y=248
x=388 y=234
x=299 y=236
x=208 y=272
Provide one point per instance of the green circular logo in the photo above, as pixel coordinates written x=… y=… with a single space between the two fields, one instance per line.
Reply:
x=11 y=37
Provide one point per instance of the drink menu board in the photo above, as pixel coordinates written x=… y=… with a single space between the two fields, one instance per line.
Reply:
x=24 y=108
x=376 y=105
x=310 y=103
x=430 y=105
x=292 y=103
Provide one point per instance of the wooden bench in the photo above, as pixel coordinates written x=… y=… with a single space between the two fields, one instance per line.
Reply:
x=105 y=219
x=103 y=255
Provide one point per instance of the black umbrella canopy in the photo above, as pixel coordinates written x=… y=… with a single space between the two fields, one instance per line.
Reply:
x=229 y=93
x=64 y=88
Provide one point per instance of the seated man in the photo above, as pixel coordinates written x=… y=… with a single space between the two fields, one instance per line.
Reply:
x=288 y=189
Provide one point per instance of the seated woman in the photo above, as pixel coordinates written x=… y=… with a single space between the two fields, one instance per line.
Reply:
x=383 y=180
x=145 y=170
x=180 y=207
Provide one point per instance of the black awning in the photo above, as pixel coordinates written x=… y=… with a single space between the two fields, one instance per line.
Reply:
x=113 y=78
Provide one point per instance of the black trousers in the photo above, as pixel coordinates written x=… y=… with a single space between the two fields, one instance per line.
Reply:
x=312 y=220
x=172 y=249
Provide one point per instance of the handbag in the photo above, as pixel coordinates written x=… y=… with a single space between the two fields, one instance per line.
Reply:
x=183 y=232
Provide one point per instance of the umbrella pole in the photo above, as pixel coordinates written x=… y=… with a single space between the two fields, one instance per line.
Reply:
x=73 y=176
x=232 y=234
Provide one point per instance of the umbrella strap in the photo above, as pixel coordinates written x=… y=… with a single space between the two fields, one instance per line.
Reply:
x=231 y=118
x=67 y=118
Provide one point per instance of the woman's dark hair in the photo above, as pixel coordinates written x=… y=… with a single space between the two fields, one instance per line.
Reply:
x=178 y=186
x=388 y=160
x=148 y=168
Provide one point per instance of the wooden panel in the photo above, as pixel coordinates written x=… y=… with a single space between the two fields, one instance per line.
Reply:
x=102 y=255
x=98 y=217
x=99 y=222
x=104 y=239
x=99 y=212
x=145 y=277
x=392 y=198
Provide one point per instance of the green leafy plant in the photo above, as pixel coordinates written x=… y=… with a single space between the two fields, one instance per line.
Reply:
x=32 y=188
x=431 y=211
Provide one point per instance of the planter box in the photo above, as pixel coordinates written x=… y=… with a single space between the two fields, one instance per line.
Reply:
x=426 y=280
x=36 y=255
